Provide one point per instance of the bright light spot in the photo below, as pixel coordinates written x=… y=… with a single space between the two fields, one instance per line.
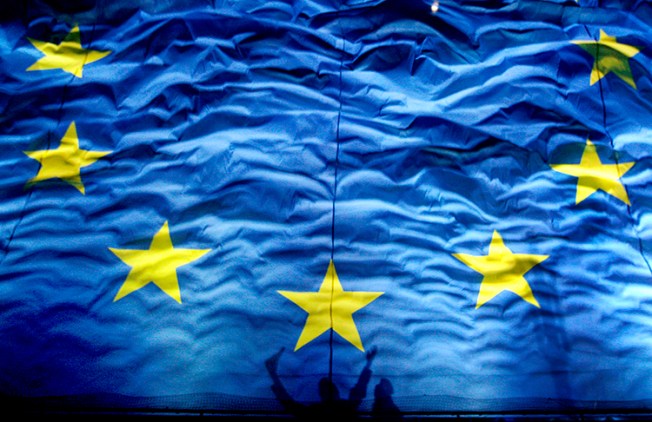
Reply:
x=435 y=6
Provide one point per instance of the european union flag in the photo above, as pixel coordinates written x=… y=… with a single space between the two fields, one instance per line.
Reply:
x=374 y=207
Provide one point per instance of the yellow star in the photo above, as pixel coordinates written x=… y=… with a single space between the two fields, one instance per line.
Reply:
x=593 y=175
x=330 y=308
x=157 y=265
x=66 y=161
x=68 y=56
x=502 y=270
x=610 y=56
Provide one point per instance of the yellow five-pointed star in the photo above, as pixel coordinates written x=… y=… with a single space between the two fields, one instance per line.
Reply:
x=157 y=265
x=330 y=308
x=68 y=56
x=502 y=270
x=593 y=175
x=610 y=56
x=66 y=161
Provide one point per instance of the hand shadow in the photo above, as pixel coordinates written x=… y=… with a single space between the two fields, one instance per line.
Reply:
x=331 y=406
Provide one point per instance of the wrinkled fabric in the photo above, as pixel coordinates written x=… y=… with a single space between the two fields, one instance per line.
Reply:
x=280 y=135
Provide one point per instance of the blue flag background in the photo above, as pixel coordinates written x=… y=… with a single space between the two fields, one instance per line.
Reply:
x=392 y=138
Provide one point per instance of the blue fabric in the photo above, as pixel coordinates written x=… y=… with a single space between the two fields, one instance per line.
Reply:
x=281 y=135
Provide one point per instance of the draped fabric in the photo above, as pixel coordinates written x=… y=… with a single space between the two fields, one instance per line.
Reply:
x=210 y=206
